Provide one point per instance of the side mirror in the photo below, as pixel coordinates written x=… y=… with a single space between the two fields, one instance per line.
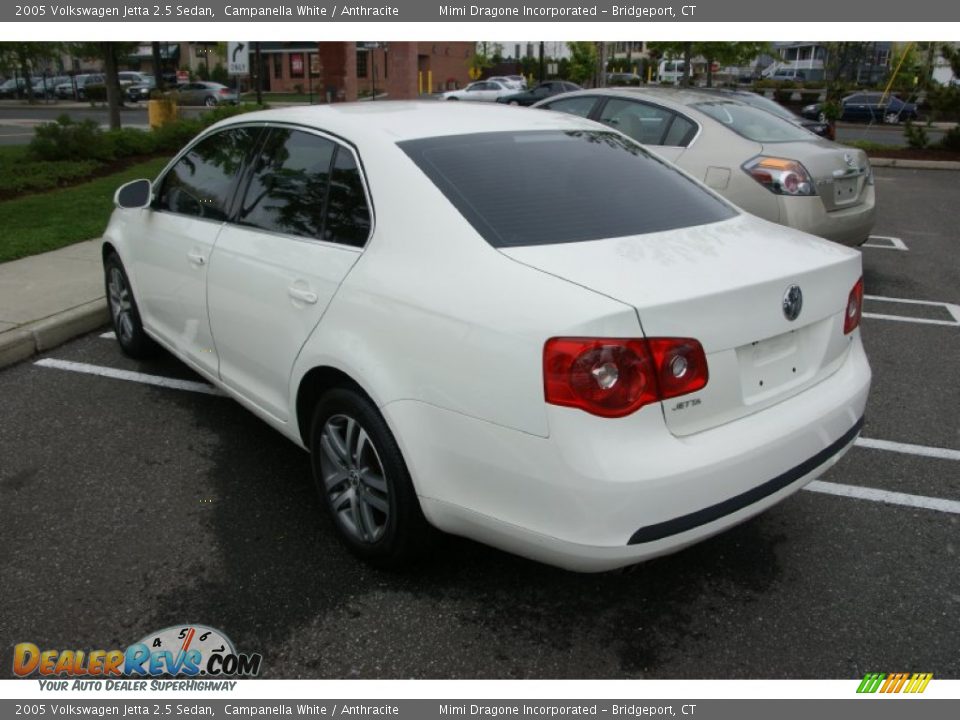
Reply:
x=134 y=195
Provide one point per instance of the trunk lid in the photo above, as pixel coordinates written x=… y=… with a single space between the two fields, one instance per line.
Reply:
x=723 y=284
x=839 y=173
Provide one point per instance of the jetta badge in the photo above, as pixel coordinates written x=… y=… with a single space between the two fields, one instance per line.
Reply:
x=792 y=302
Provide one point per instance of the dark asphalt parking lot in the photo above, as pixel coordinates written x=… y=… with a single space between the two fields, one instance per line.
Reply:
x=128 y=508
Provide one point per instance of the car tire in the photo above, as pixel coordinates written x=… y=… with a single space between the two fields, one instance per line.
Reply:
x=124 y=313
x=821 y=117
x=449 y=99
x=513 y=102
x=891 y=119
x=364 y=483
x=209 y=101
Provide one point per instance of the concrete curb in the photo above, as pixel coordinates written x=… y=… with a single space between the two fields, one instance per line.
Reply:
x=36 y=337
x=915 y=164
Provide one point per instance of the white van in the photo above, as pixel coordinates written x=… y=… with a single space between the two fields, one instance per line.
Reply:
x=670 y=71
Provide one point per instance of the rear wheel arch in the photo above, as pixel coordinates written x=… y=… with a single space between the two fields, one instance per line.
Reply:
x=312 y=386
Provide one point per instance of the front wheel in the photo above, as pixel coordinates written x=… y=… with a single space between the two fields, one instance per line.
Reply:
x=210 y=101
x=364 y=483
x=124 y=313
x=891 y=119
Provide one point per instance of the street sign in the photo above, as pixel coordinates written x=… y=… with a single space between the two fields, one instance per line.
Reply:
x=238 y=58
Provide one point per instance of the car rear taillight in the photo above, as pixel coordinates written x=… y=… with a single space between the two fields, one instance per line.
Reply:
x=781 y=176
x=854 y=309
x=613 y=377
x=224 y=91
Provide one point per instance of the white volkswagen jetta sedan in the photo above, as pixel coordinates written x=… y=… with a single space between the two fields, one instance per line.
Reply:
x=518 y=327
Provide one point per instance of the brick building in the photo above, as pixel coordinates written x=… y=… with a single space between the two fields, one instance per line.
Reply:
x=345 y=71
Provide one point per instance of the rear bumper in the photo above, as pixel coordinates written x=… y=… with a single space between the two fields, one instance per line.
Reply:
x=849 y=226
x=600 y=494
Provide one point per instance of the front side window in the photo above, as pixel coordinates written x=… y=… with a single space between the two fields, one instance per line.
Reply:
x=201 y=183
x=580 y=106
x=584 y=185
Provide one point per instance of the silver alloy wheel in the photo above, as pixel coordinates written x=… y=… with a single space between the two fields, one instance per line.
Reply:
x=892 y=118
x=120 y=306
x=353 y=479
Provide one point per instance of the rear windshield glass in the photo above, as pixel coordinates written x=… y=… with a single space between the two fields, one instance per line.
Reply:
x=546 y=187
x=753 y=123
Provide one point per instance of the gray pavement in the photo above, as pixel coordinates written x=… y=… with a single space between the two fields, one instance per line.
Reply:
x=129 y=508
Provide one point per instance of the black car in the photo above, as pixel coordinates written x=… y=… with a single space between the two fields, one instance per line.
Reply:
x=816 y=126
x=623 y=79
x=539 y=92
x=868 y=107
x=141 y=91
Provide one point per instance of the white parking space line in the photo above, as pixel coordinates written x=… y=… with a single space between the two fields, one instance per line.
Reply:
x=116 y=374
x=884 y=496
x=886 y=242
x=954 y=311
x=924 y=450
x=109 y=335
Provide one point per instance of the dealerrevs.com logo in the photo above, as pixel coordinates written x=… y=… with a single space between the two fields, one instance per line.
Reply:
x=189 y=651
x=887 y=683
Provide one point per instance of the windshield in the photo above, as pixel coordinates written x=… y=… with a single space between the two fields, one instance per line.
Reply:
x=555 y=186
x=753 y=123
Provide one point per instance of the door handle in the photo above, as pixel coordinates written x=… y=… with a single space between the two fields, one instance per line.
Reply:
x=196 y=258
x=302 y=295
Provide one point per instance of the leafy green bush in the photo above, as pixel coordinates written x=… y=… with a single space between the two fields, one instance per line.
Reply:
x=20 y=174
x=222 y=112
x=916 y=135
x=131 y=141
x=67 y=139
x=173 y=136
x=951 y=139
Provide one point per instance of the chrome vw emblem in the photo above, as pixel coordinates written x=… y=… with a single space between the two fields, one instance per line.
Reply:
x=850 y=160
x=792 y=302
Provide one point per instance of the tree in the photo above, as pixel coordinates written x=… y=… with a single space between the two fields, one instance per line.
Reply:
x=109 y=53
x=583 y=60
x=728 y=54
x=25 y=58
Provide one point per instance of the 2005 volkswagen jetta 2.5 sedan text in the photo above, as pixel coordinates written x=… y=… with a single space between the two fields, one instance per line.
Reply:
x=517 y=327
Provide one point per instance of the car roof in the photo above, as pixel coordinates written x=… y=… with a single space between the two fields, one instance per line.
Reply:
x=675 y=98
x=400 y=120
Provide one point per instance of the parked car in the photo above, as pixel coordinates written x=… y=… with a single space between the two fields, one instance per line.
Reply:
x=823 y=129
x=786 y=74
x=480 y=91
x=46 y=86
x=763 y=163
x=141 y=91
x=867 y=107
x=546 y=89
x=206 y=93
x=670 y=71
x=130 y=77
x=617 y=79
x=613 y=367
x=74 y=87
x=12 y=88
x=511 y=81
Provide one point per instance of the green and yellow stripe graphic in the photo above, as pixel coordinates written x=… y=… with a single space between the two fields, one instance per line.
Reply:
x=895 y=682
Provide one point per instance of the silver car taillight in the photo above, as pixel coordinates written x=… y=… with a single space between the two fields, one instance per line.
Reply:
x=780 y=176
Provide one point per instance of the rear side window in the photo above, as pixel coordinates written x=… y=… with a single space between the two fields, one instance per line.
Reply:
x=348 y=216
x=753 y=123
x=201 y=183
x=577 y=185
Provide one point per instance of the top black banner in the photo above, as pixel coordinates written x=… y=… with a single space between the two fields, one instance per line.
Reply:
x=431 y=11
